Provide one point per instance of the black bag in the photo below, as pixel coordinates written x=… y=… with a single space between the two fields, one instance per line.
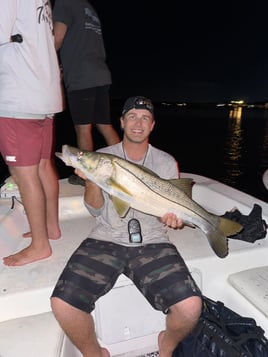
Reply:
x=222 y=332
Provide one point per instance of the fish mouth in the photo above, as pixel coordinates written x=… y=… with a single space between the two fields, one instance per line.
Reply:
x=59 y=155
x=64 y=158
x=68 y=154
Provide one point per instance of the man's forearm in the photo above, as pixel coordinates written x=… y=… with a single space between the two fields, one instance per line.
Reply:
x=93 y=195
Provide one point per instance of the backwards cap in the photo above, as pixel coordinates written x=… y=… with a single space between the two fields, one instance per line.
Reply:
x=138 y=102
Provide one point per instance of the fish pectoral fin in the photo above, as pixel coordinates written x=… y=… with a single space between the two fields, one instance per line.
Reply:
x=120 y=206
x=118 y=187
x=184 y=184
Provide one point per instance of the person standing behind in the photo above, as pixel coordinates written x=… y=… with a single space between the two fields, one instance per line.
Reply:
x=87 y=78
x=30 y=93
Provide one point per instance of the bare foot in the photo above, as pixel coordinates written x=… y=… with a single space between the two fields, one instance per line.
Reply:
x=54 y=236
x=26 y=256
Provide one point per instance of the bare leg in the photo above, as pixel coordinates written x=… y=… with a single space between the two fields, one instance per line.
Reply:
x=109 y=133
x=84 y=137
x=34 y=201
x=180 y=321
x=79 y=327
x=50 y=184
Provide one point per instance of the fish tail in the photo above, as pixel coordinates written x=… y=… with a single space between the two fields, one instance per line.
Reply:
x=229 y=227
x=218 y=242
x=218 y=238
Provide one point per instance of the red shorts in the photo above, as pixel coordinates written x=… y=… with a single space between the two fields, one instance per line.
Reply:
x=24 y=142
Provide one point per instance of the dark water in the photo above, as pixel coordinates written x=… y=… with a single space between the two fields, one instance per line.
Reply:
x=226 y=145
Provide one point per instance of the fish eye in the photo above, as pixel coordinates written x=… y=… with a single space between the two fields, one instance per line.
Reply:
x=79 y=155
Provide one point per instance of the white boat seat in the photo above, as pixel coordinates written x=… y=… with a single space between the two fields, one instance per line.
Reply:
x=253 y=285
x=31 y=336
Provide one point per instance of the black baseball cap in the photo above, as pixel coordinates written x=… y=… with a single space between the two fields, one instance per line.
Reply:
x=138 y=102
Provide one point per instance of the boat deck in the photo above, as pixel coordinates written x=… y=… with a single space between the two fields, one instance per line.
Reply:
x=38 y=278
x=25 y=291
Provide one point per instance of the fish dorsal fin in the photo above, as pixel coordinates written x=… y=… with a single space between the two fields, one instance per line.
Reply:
x=185 y=184
x=120 y=206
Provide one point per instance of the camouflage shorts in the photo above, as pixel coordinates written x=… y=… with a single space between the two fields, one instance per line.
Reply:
x=157 y=270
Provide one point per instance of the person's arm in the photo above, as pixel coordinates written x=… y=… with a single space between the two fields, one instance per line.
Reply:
x=60 y=30
x=93 y=193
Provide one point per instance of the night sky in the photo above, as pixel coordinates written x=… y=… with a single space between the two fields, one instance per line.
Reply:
x=187 y=51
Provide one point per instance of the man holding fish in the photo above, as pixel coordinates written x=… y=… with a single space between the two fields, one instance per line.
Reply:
x=133 y=243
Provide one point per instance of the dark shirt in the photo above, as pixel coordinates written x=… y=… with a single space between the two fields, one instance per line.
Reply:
x=82 y=53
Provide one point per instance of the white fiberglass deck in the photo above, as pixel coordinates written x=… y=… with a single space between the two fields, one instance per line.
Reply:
x=25 y=291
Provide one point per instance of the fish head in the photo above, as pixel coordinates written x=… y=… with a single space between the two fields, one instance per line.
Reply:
x=96 y=166
x=79 y=159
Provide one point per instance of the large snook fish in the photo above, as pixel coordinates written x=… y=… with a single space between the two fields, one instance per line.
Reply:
x=131 y=185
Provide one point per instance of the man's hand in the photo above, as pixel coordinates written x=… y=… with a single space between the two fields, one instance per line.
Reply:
x=172 y=221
